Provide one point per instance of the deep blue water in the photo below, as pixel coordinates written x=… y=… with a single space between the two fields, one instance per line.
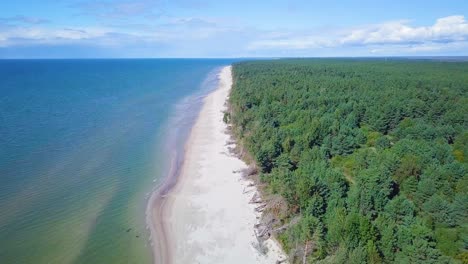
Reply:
x=82 y=142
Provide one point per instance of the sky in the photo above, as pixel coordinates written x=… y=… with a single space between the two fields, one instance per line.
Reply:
x=242 y=28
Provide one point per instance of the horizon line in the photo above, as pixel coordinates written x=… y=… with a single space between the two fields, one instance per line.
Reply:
x=233 y=58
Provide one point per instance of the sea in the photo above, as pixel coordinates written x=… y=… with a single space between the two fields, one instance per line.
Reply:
x=83 y=143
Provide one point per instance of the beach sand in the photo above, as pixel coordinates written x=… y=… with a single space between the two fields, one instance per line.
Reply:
x=206 y=217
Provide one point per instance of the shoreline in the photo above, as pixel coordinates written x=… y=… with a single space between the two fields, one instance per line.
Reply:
x=198 y=217
x=156 y=198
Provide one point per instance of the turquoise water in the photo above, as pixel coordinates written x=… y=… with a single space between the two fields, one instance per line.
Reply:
x=82 y=142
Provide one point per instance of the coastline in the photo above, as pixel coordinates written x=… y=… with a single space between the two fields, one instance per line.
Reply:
x=202 y=213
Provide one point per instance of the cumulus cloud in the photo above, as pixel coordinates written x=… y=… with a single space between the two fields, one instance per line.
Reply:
x=445 y=31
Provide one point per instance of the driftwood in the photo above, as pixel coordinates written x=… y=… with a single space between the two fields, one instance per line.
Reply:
x=264 y=231
x=247 y=191
x=255 y=199
x=230 y=142
x=281 y=261
x=260 y=208
x=281 y=228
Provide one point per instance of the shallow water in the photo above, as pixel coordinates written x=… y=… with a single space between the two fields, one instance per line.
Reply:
x=82 y=143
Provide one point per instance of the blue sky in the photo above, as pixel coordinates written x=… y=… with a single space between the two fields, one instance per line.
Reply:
x=242 y=28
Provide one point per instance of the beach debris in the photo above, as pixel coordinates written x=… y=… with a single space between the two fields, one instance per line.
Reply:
x=230 y=142
x=256 y=199
x=260 y=208
x=128 y=230
x=281 y=261
x=264 y=232
x=248 y=191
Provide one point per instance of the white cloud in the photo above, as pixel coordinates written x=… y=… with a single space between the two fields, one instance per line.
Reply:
x=447 y=30
x=39 y=35
x=168 y=30
x=194 y=36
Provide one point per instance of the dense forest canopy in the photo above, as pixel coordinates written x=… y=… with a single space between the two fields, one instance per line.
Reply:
x=370 y=155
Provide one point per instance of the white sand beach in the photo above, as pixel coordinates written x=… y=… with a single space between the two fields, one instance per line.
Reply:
x=206 y=217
